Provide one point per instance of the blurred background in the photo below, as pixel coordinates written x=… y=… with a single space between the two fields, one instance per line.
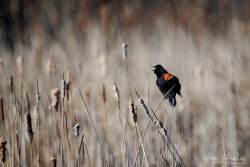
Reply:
x=21 y=19
x=206 y=43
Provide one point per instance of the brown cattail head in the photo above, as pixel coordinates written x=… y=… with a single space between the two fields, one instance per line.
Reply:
x=29 y=130
x=68 y=84
x=104 y=97
x=53 y=160
x=1 y=110
x=116 y=92
x=117 y=95
x=55 y=98
x=3 y=150
x=11 y=84
x=132 y=110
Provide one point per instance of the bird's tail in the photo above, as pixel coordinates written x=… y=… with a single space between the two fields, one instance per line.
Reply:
x=172 y=101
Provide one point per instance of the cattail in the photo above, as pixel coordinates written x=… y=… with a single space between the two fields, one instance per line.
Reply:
x=104 y=97
x=162 y=131
x=2 y=110
x=77 y=129
x=3 y=150
x=132 y=110
x=55 y=98
x=11 y=84
x=133 y=113
x=116 y=92
x=124 y=50
x=29 y=130
x=68 y=84
x=19 y=64
x=63 y=88
x=53 y=160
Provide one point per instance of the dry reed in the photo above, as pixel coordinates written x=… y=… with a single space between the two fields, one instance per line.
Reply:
x=117 y=97
x=2 y=110
x=11 y=85
x=55 y=93
x=29 y=130
x=94 y=128
x=3 y=150
x=161 y=131
x=134 y=117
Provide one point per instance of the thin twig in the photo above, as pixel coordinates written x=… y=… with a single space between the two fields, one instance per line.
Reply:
x=52 y=121
x=92 y=122
x=141 y=144
x=88 y=155
x=79 y=150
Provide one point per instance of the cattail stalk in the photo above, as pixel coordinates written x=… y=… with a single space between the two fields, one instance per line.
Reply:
x=172 y=132
x=37 y=119
x=161 y=130
x=52 y=122
x=79 y=150
x=134 y=114
x=94 y=128
x=124 y=56
x=88 y=155
x=223 y=148
x=63 y=90
x=117 y=96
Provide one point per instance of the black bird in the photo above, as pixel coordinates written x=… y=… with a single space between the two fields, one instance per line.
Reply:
x=168 y=84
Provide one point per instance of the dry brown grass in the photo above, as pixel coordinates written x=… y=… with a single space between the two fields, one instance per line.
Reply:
x=215 y=87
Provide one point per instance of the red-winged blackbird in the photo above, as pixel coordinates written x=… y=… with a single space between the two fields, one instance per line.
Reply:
x=168 y=84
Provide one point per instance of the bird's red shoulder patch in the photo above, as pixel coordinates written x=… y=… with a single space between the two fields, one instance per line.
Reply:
x=167 y=76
